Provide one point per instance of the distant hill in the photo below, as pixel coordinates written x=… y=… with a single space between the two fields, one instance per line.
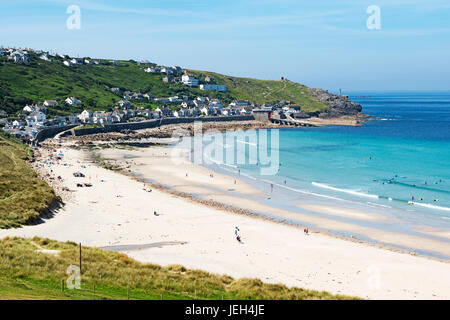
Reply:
x=42 y=80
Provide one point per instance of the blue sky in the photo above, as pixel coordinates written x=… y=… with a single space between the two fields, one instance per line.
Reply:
x=322 y=43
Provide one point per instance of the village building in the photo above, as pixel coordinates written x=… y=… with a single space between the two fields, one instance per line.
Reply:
x=86 y=116
x=36 y=118
x=210 y=87
x=189 y=80
x=124 y=104
x=29 y=109
x=51 y=103
x=168 y=79
x=72 y=101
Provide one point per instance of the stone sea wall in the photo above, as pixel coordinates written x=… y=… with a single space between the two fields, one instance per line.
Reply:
x=155 y=123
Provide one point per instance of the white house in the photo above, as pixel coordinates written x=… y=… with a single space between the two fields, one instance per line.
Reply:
x=67 y=63
x=50 y=103
x=101 y=117
x=151 y=70
x=72 y=101
x=204 y=111
x=218 y=87
x=86 y=116
x=45 y=57
x=35 y=118
x=189 y=80
x=28 y=108
x=239 y=103
x=76 y=61
x=20 y=57
x=174 y=99
x=124 y=104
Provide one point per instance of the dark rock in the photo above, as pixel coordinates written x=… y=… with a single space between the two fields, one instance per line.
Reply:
x=338 y=105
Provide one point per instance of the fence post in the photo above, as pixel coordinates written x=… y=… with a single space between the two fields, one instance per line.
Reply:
x=80 y=257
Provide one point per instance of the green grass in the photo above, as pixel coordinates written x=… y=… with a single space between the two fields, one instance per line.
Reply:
x=23 y=196
x=266 y=91
x=42 y=80
x=89 y=126
x=26 y=273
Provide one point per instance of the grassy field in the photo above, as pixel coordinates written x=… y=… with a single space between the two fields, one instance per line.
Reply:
x=23 y=196
x=28 y=273
x=42 y=80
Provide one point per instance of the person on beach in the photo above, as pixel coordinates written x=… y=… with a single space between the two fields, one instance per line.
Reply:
x=155 y=214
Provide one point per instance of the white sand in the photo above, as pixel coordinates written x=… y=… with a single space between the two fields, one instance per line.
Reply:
x=119 y=212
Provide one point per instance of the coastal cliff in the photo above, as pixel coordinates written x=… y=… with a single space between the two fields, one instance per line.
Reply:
x=338 y=105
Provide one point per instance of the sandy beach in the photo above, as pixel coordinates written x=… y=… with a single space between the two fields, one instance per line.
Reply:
x=118 y=211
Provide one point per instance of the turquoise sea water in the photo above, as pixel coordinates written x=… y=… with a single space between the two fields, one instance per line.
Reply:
x=405 y=153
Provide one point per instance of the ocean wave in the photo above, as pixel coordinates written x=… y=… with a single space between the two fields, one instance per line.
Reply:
x=305 y=192
x=431 y=206
x=379 y=205
x=352 y=192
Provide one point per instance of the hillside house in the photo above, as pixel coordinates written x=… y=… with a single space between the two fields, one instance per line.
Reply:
x=36 y=118
x=168 y=79
x=72 y=101
x=86 y=116
x=29 y=109
x=189 y=80
x=45 y=57
x=124 y=104
x=76 y=61
x=239 y=103
x=211 y=87
x=51 y=103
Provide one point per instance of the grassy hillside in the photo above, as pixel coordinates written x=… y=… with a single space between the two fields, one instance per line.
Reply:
x=23 y=196
x=42 y=80
x=28 y=273
x=266 y=91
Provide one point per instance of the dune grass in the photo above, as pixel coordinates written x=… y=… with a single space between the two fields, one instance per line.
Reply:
x=23 y=196
x=28 y=273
